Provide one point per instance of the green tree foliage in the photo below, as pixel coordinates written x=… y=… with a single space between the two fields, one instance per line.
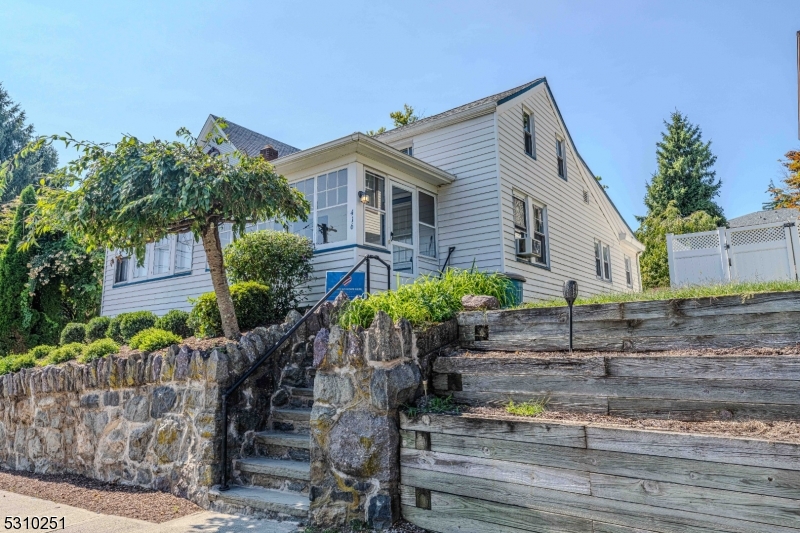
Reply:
x=14 y=335
x=15 y=134
x=277 y=259
x=124 y=195
x=402 y=117
x=684 y=172
x=653 y=234
x=250 y=299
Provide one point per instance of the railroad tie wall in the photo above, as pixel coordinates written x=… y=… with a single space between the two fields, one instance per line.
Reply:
x=479 y=475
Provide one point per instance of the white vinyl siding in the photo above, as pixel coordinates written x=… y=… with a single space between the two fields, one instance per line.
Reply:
x=572 y=225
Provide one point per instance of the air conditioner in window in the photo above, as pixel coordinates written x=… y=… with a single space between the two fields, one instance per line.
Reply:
x=527 y=247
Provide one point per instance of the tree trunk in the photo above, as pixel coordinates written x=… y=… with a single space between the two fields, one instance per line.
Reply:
x=211 y=244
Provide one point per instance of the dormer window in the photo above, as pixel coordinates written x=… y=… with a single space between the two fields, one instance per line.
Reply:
x=409 y=150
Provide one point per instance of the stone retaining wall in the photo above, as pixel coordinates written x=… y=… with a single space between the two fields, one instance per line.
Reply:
x=151 y=420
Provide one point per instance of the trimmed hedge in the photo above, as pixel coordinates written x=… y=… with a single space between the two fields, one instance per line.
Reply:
x=177 y=322
x=97 y=328
x=113 y=331
x=133 y=323
x=98 y=349
x=65 y=353
x=153 y=339
x=15 y=363
x=73 y=332
x=41 y=351
x=251 y=301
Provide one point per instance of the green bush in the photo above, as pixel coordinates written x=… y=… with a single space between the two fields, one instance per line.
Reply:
x=97 y=328
x=15 y=363
x=277 y=259
x=133 y=323
x=153 y=339
x=177 y=322
x=113 y=331
x=42 y=351
x=428 y=299
x=250 y=301
x=73 y=332
x=97 y=349
x=65 y=353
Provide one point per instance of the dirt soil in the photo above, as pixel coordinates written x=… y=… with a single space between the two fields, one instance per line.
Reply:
x=192 y=342
x=710 y=352
x=755 y=429
x=98 y=496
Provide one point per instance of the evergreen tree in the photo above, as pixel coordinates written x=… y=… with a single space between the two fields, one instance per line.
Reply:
x=684 y=172
x=14 y=279
x=789 y=195
x=14 y=135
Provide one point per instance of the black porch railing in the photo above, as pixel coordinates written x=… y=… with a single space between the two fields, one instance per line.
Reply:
x=225 y=395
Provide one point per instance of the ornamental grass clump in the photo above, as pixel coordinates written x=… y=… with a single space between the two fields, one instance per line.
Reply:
x=428 y=299
x=153 y=339
x=529 y=408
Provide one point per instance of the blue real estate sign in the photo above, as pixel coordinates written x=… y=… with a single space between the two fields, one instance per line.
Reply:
x=352 y=287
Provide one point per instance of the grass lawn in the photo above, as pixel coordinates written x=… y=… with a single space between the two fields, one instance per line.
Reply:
x=706 y=291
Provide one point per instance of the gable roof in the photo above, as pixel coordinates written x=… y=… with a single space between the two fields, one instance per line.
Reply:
x=251 y=142
x=498 y=99
x=765 y=217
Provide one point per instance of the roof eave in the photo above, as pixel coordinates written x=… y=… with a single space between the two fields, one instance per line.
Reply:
x=412 y=129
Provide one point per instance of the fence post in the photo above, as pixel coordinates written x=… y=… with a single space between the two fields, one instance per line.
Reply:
x=795 y=244
x=723 y=253
x=673 y=281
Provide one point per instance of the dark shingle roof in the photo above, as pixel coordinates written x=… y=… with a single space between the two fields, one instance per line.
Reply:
x=499 y=97
x=764 y=217
x=251 y=142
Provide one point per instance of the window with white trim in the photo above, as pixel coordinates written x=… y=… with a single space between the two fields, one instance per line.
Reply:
x=161 y=253
x=332 y=207
x=140 y=271
x=540 y=234
x=530 y=223
x=602 y=260
x=121 y=269
x=427 y=225
x=170 y=256
x=561 y=158
x=628 y=272
x=375 y=209
x=528 y=134
x=305 y=228
x=520 y=217
x=184 y=243
x=409 y=150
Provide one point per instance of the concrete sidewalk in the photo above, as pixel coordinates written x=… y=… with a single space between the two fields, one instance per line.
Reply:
x=83 y=521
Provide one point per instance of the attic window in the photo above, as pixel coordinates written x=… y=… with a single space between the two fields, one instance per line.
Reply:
x=585 y=197
x=527 y=133
x=561 y=159
x=409 y=150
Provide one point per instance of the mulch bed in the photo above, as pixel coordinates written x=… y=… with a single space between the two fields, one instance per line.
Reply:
x=754 y=429
x=98 y=496
x=709 y=352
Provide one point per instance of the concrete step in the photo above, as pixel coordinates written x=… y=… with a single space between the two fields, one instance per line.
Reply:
x=299 y=470
x=291 y=415
x=287 y=440
x=302 y=392
x=281 y=503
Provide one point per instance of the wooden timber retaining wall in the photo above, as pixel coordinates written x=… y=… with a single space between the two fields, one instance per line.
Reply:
x=769 y=319
x=690 y=388
x=463 y=474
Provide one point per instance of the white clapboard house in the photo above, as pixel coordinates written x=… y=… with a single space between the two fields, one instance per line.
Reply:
x=497 y=184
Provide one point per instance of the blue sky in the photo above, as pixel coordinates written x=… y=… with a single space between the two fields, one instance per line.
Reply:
x=306 y=73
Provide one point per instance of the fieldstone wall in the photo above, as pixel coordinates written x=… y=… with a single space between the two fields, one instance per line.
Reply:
x=151 y=420
x=363 y=377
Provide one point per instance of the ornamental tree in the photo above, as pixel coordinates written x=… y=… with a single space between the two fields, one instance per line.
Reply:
x=126 y=195
x=789 y=194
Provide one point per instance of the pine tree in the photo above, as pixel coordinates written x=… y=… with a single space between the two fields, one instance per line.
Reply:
x=684 y=172
x=14 y=135
x=14 y=279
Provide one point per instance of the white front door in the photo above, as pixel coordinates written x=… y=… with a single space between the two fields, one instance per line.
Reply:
x=401 y=232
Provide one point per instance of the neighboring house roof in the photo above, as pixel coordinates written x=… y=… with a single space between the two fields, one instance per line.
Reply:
x=496 y=98
x=251 y=142
x=764 y=217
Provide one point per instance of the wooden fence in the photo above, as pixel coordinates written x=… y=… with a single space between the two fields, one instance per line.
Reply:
x=464 y=474
x=759 y=320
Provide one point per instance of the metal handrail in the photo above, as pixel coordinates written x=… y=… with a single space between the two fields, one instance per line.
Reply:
x=446 y=261
x=286 y=336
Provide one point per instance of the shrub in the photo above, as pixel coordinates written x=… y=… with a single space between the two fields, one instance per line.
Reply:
x=73 y=332
x=133 y=323
x=152 y=339
x=97 y=349
x=65 y=353
x=113 y=331
x=250 y=301
x=277 y=259
x=428 y=299
x=15 y=363
x=177 y=322
x=97 y=328
x=42 y=351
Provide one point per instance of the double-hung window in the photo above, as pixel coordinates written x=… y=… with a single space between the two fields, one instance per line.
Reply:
x=540 y=234
x=520 y=217
x=161 y=253
x=628 y=272
x=332 y=207
x=121 y=272
x=305 y=228
x=427 y=225
x=183 y=252
x=530 y=230
x=561 y=159
x=375 y=209
x=602 y=260
x=528 y=134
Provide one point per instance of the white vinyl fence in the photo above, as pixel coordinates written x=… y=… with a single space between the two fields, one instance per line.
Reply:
x=765 y=252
